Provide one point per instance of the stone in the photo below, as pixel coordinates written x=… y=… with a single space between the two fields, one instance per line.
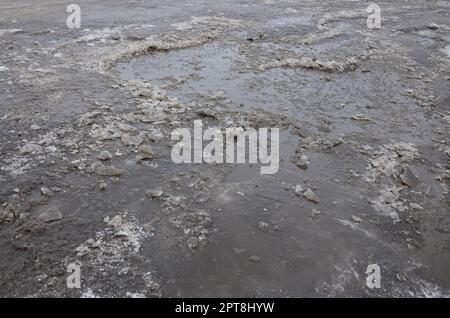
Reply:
x=298 y=190
x=154 y=193
x=311 y=196
x=41 y=278
x=102 y=185
x=255 y=259
x=356 y=219
x=102 y=170
x=52 y=214
x=104 y=155
x=416 y=206
x=149 y=228
x=394 y=216
x=143 y=156
x=263 y=226
x=46 y=191
x=147 y=149
x=408 y=177
x=126 y=127
x=361 y=118
x=446 y=119
x=135 y=295
x=56 y=189
x=31 y=148
x=130 y=140
x=315 y=213
x=302 y=161
x=121 y=234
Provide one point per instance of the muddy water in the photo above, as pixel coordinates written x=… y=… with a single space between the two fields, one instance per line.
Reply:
x=217 y=74
x=259 y=236
x=299 y=247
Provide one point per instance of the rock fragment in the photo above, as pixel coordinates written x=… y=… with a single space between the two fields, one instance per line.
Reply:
x=104 y=155
x=31 y=148
x=126 y=127
x=154 y=193
x=311 y=196
x=130 y=140
x=121 y=234
x=46 y=191
x=147 y=149
x=361 y=118
x=143 y=156
x=263 y=226
x=302 y=161
x=416 y=206
x=315 y=213
x=135 y=295
x=298 y=190
x=102 y=170
x=52 y=214
x=408 y=177
x=394 y=216
x=41 y=278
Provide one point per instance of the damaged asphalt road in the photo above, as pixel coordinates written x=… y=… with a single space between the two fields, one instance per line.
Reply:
x=86 y=175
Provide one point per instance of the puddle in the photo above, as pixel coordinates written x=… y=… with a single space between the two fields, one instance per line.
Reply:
x=222 y=77
x=199 y=74
x=217 y=75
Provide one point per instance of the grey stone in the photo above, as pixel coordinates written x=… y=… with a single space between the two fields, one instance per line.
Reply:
x=143 y=156
x=50 y=215
x=311 y=196
x=102 y=170
x=263 y=226
x=302 y=161
x=46 y=191
x=104 y=155
x=298 y=190
x=154 y=193
x=409 y=178
x=315 y=213
x=146 y=149
x=130 y=140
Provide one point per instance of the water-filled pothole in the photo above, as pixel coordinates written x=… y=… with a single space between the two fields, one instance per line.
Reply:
x=218 y=74
x=225 y=76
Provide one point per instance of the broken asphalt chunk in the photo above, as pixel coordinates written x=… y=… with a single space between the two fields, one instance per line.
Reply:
x=52 y=214
x=408 y=177
x=311 y=196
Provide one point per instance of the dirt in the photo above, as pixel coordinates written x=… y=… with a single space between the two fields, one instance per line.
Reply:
x=86 y=114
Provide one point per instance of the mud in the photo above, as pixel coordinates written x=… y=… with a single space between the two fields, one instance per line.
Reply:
x=87 y=178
